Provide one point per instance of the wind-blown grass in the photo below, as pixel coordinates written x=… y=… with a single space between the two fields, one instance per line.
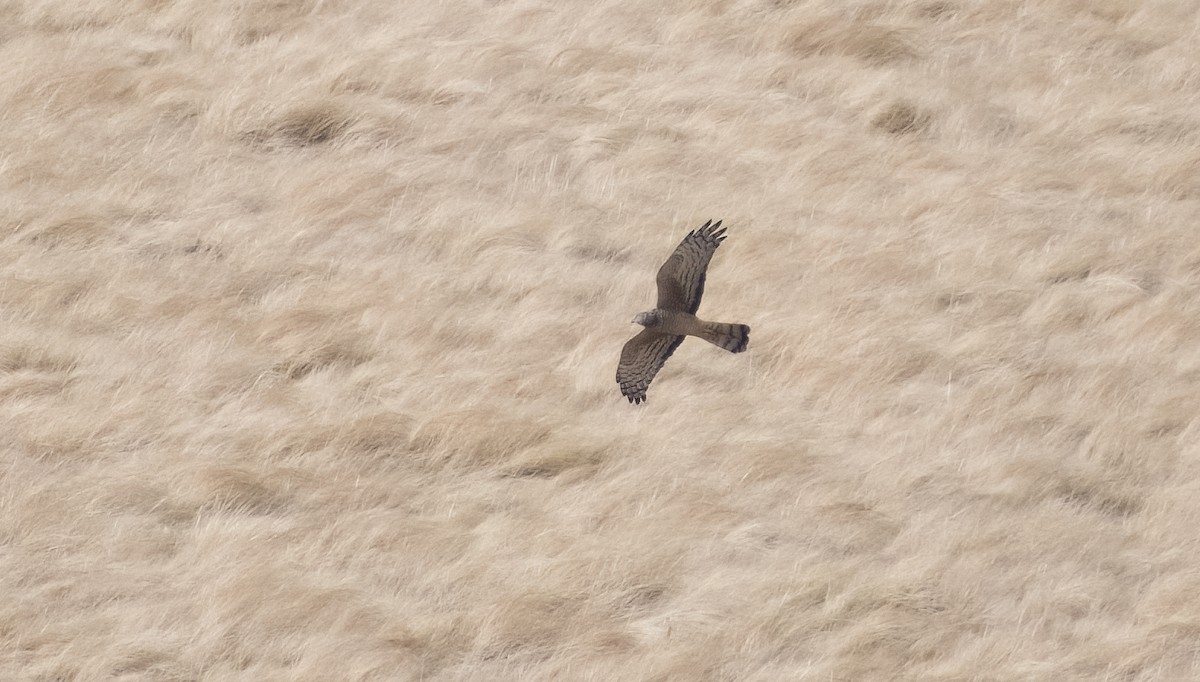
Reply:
x=309 y=315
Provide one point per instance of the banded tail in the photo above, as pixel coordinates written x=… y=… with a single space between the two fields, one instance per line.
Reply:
x=732 y=337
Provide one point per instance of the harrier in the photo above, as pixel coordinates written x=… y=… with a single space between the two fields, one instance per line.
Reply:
x=680 y=286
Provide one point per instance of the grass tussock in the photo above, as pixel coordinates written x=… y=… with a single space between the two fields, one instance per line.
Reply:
x=309 y=314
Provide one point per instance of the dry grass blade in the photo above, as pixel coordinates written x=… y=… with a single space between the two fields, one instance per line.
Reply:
x=310 y=312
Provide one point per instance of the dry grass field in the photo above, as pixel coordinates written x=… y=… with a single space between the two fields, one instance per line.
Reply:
x=310 y=310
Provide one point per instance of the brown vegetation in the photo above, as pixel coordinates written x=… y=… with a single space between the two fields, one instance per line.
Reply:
x=309 y=314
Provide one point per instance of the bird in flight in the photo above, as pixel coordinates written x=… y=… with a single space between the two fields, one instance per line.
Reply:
x=680 y=286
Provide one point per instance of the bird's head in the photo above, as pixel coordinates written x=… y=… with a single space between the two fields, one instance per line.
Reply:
x=647 y=319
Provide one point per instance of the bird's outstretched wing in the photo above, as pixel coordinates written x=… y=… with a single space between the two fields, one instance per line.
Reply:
x=641 y=358
x=681 y=278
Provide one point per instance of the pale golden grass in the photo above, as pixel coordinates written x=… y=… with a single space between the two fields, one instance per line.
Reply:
x=309 y=314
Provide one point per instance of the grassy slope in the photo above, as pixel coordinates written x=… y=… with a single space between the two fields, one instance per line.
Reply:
x=309 y=313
